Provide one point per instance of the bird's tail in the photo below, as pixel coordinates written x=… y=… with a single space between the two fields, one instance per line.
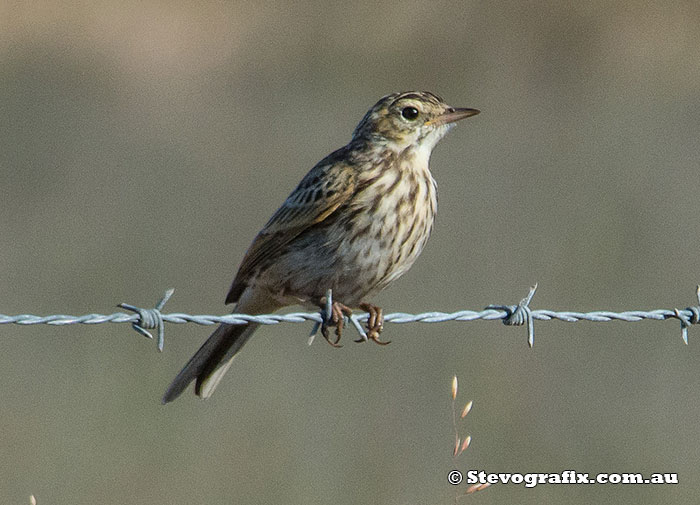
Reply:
x=211 y=361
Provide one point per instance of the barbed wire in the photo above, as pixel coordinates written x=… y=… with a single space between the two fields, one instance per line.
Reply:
x=143 y=319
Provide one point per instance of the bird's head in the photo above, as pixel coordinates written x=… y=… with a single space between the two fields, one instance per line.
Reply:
x=413 y=118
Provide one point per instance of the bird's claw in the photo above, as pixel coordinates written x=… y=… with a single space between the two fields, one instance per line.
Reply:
x=337 y=319
x=375 y=323
x=338 y=313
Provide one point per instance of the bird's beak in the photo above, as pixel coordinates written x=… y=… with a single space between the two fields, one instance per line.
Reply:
x=452 y=115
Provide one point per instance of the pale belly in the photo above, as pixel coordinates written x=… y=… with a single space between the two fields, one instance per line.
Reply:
x=361 y=250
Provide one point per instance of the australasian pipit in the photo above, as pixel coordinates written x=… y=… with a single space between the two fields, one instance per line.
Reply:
x=354 y=224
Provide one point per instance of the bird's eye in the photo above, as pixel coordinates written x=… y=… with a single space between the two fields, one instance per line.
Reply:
x=409 y=113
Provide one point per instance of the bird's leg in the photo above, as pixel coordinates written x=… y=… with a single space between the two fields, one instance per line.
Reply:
x=337 y=319
x=375 y=322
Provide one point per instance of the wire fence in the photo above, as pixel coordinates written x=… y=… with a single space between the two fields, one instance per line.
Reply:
x=144 y=319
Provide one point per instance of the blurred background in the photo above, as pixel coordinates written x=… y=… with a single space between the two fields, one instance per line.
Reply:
x=142 y=146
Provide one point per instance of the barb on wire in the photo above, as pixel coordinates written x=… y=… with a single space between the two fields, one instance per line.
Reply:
x=326 y=314
x=519 y=314
x=143 y=320
x=150 y=319
x=687 y=320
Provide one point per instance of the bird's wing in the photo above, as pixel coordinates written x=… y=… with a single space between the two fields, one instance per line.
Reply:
x=325 y=188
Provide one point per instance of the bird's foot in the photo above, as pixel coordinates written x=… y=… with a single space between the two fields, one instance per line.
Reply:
x=337 y=319
x=375 y=323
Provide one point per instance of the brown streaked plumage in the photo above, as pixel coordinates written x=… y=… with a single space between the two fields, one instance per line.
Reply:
x=354 y=224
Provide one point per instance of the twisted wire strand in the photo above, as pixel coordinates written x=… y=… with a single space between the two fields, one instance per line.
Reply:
x=300 y=317
x=144 y=319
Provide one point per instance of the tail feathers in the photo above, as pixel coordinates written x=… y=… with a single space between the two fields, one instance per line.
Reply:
x=206 y=385
x=211 y=361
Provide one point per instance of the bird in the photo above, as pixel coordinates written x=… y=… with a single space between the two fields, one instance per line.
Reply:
x=355 y=223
